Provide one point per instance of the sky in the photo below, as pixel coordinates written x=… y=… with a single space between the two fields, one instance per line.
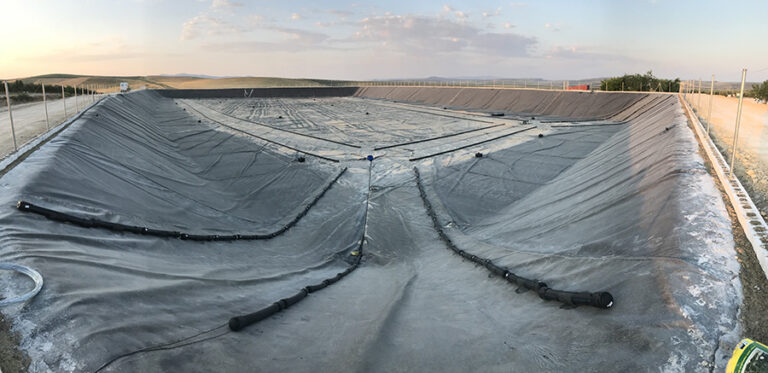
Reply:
x=396 y=39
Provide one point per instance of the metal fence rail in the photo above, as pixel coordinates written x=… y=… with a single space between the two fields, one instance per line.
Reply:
x=24 y=122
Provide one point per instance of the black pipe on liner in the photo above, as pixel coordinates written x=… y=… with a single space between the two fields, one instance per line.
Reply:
x=601 y=299
x=238 y=323
x=117 y=227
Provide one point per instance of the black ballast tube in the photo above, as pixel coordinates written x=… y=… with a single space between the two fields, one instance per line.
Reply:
x=237 y=323
x=117 y=227
x=601 y=299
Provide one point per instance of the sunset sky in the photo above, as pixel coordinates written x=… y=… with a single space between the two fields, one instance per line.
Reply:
x=386 y=39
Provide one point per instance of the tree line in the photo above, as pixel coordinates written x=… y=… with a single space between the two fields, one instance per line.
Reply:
x=19 y=87
x=637 y=82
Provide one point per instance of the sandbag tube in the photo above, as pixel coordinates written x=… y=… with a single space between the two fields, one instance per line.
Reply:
x=599 y=299
x=238 y=323
x=116 y=227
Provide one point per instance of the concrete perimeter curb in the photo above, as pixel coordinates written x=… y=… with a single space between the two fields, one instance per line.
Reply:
x=749 y=216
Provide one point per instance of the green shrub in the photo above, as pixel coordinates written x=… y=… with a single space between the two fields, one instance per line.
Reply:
x=637 y=82
x=760 y=91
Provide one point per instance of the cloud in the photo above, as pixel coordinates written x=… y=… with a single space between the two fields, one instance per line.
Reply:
x=209 y=22
x=586 y=53
x=419 y=35
x=342 y=14
x=224 y=4
x=203 y=24
x=334 y=23
x=255 y=19
x=508 y=25
x=109 y=48
x=425 y=35
x=492 y=13
x=448 y=10
x=293 y=40
x=301 y=36
x=552 y=27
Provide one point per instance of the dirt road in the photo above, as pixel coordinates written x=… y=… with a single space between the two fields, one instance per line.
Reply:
x=29 y=120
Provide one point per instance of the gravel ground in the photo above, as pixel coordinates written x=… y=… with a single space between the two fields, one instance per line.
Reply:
x=29 y=121
x=11 y=359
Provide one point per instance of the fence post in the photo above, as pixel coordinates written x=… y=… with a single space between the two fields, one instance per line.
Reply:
x=709 y=112
x=698 y=100
x=10 y=115
x=64 y=100
x=77 y=104
x=738 y=119
x=45 y=104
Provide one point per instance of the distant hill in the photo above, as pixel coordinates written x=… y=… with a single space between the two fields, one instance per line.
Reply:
x=185 y=75
x=180 y=81
x=100 y=81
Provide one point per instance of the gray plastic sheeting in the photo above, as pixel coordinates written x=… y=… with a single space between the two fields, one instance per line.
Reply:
x=626 y=208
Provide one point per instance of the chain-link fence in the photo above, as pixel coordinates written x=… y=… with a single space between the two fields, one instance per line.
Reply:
x=724 y=117
x=21 y=123
x=592 y=85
